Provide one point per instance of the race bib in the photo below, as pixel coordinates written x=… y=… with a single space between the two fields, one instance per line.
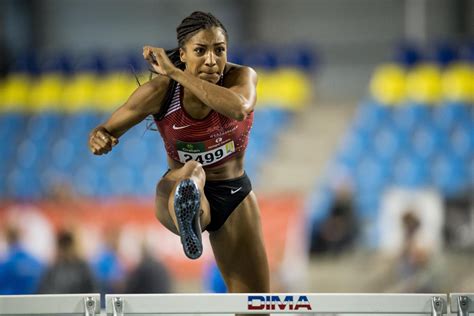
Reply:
x=202 y=154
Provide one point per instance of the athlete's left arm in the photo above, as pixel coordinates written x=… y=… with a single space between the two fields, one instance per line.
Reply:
x=236 y=100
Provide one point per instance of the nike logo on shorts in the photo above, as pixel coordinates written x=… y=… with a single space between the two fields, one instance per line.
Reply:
x=180 y=127
x=232 y=191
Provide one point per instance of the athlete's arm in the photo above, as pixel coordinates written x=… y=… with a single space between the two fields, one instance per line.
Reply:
x=236 y=100
x=144 y=101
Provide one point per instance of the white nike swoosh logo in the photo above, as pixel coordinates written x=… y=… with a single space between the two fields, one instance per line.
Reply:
x=235 y=191
x=180 y=127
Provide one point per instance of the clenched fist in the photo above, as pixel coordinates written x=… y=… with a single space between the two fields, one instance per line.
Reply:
x=158 y=59
x=101 y=142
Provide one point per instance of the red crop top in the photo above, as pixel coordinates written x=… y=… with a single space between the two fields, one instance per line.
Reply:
x=210 y=141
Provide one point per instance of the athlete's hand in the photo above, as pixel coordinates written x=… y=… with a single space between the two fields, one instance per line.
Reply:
x=100 y=141
x=158 y=59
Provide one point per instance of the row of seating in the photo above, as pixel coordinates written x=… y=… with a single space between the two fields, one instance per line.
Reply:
x=442 y=53
x=89 y=91
x=393 y=84
x=45 y=150
x=270 y=57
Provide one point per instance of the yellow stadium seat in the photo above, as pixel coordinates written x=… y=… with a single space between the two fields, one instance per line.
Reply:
x=263 y=88
x=46 y=93
x=79 y=92
x=292 y=87
x=424 y=84
x=458 y=82
x=113 y=90
x=15 y=90
x=387 y=84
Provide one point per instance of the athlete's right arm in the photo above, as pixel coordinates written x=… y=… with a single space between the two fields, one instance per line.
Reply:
x=145 y=100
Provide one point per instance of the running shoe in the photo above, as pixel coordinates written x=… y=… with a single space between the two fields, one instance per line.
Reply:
x=187 y=205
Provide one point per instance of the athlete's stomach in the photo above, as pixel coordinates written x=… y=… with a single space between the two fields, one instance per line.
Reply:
x=230 y=169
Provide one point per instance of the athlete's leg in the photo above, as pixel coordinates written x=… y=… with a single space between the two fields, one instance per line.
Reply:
x=165 y=195
x=239 y=250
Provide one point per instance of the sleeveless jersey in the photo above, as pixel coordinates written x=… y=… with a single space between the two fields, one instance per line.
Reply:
x=210 y=141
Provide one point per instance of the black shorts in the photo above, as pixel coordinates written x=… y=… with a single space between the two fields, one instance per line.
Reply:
x=224 y=196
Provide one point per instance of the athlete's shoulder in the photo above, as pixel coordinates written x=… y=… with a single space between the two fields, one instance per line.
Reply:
x=149 y=97
x=159 y=82
x=239 y=72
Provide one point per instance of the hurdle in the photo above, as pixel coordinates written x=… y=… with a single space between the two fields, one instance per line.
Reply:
x=461 y=303
x=281 y=303
x=57 y=304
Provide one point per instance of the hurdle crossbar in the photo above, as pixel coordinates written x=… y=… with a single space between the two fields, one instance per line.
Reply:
x=410 y=304
x=57 y=304
x=461 y=303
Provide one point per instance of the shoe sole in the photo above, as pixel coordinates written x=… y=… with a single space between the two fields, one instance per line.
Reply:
x=187 y=205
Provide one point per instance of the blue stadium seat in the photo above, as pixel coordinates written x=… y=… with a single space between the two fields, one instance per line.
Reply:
x=101 y=162
x=88 y=182
x=82 y=120
x=58 y=63
x=410 y=172
x=449 y=174
x=11 y=124
x=150 y=176
x=449 y=114
x=28 y=154
x=445 y=53
x=370 y=116
x=93 y=63
x=462 y=141
x=76 y=127
x=470 y=52
x=371 y=176
x=62 y=155
x=280 y=117
x=388 y=143
x=27 y=62
x=407 y=117
x=301 y=57
x=124 y=62
x=235 y=55
x=354 y=146
x=41 y=128
x=427 y=141
x=408 y=54
x=23 y=184
x=132 y=150
x=122 y=179
x=260 y=58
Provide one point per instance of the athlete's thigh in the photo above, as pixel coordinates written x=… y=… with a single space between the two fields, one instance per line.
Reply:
x=239 y=249
x=163 y=191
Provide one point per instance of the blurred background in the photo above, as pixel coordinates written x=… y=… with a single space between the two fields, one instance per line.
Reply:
x=361 y=154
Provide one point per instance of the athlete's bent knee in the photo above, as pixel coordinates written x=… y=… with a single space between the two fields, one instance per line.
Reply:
x=194 y=168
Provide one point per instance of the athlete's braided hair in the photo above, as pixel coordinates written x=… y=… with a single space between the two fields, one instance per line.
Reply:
x=189 y=26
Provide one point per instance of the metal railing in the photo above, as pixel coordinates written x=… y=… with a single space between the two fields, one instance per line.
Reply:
x=461 y=304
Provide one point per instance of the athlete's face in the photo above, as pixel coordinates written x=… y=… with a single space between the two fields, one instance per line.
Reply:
x=205 y=54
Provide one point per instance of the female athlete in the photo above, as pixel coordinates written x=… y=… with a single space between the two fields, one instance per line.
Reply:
x=203 y=107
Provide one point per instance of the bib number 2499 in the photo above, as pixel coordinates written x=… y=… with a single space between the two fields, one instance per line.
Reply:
x=208 y=157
